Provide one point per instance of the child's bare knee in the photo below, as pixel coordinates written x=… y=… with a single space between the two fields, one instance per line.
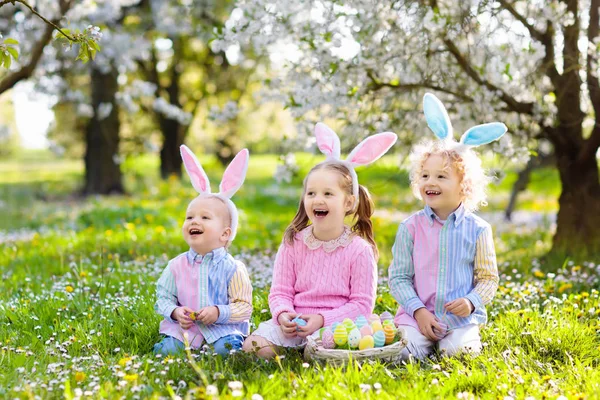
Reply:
x=260 y=346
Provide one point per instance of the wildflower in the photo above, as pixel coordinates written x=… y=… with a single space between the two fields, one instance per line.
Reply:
x=69 y=289
x=80 y=376
x=124 y=361
x=256 y=396
x=538 y=273
x=565 y=287
x=212 y=390
x=131 y=377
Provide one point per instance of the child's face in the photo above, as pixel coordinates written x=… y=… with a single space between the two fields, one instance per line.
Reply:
x=207 y=224
x=439 y=185
x=325 y=203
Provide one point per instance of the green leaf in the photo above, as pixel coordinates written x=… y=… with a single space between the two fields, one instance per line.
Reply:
x=13 y=52
x=94 y=45
x=7 y=61
x=1 y=58
x=84 y=54
x=10 y=41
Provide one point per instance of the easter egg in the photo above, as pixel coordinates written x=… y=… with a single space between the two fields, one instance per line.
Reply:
x=340 y=335
x=354 y=338
x=366 y=331
x=360 y=321
x=373 y=318
x=376 y=326
x=299 y=322
x=388 y=322
x=379 y=339
x=334 y=325
x=386 y=315
x=390 y=333
x=366 y=343
x=321 y=332
x=349 y=324
x=327 y=340
x=347 y=321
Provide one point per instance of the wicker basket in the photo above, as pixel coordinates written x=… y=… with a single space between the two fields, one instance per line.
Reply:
x=390 y=353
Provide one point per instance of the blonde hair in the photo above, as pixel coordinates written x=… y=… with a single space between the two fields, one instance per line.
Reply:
x=473 y=179
x=361 y=214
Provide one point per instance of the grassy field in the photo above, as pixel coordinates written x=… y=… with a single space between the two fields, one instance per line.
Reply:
x=77 y=294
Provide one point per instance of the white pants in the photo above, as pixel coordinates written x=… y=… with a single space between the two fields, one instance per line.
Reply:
x=465 y=339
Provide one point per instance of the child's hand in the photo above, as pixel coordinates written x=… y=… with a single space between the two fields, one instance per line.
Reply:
x=180 y=314
x=287 y=326
x=427 y=321
x=313 y=322
x=460 y=307
x=208 y=315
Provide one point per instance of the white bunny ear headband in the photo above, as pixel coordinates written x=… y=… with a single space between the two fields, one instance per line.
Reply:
x=233 y=177
x=439 y=122
x=367 y=151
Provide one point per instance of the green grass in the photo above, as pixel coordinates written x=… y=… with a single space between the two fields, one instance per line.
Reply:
x=77 y=295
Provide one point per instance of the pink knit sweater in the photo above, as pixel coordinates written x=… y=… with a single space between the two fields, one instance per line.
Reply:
x=337 y=279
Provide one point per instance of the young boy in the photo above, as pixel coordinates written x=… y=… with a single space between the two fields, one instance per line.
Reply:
x=444 y=263
x=204 y=293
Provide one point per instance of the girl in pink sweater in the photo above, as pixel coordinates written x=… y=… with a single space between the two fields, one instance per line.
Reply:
x=324 y=271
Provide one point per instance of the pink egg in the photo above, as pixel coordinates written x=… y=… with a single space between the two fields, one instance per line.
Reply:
x=366 y=331
x=373 y=318
x=327 y=340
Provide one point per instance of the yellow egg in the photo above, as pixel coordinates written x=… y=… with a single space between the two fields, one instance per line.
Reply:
x=376 y=326
x=340 y=336
x=366 y=342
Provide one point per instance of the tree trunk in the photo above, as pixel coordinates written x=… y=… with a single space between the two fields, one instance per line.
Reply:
x=170 y=157
x=578 y=220
x=102 y=171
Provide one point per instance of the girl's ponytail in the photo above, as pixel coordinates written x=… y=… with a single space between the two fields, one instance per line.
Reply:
x=363 y=225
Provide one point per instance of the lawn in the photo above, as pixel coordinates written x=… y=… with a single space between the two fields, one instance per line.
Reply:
x=77 y=293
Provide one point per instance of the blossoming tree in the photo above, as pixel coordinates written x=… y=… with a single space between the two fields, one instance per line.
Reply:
x=532 y=64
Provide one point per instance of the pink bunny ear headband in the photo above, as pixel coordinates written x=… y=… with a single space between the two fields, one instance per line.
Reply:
x=233 y=177
x=367 y=151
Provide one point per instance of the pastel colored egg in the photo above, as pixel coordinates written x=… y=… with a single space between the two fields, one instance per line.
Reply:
x=386 y=315
x=347 y=321
x=340 y=335
x=354 y=338
x=327 y=340
x=361 y=321
x=349 y=326
x=334 y=325
x=373 y=318
x=299 y=321
x=366 y=331
x=390 y=334
x=376 y=326
x=379 y=339
x=388 y=322
x=366 y=343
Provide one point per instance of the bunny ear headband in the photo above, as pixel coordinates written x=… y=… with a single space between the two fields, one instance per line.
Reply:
x=439 y=122
x=367 y=151
x=233 y=177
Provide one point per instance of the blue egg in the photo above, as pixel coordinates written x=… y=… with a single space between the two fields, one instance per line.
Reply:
x=299 y=321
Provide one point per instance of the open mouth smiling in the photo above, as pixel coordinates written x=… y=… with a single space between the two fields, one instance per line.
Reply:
x=320 y=213
x=432 y=192
x=196 y=232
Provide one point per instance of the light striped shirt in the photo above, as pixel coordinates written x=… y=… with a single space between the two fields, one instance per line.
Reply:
x=436 y=261
x=197 y=281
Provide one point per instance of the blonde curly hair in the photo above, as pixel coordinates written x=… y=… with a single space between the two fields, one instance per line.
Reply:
x=473 y=178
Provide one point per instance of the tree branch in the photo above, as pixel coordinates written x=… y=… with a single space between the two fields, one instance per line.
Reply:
x=511 y=102
x=36 y=53
x=50 y=23
x=376 y=84
x=545 y=38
